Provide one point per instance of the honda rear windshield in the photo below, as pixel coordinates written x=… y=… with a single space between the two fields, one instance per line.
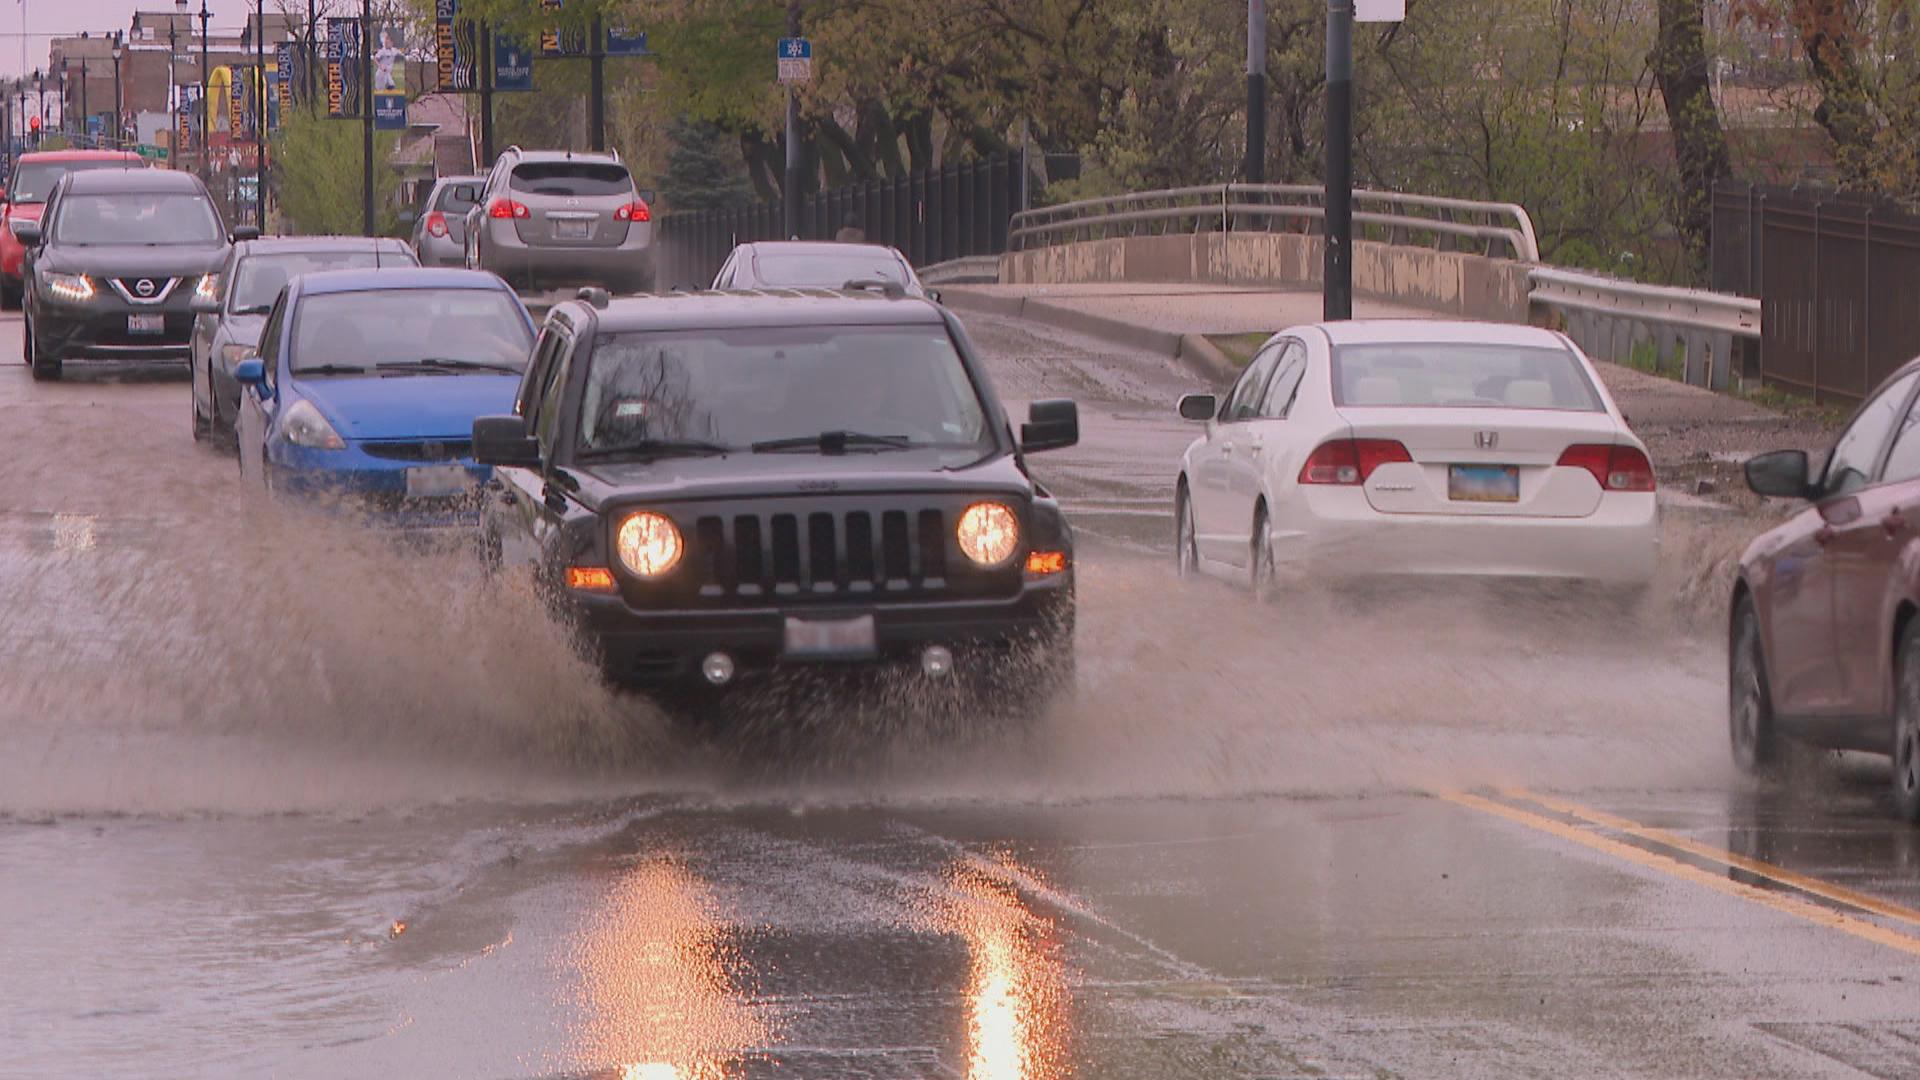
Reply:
x=35 y=180
x=574 y=178
x=137 y=217
x=1453 y=375
x=744 y=386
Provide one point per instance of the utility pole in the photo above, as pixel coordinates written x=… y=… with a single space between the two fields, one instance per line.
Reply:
x=312 y=49
x=1337 y=287
x=205 y=74
x=366 y=117
x=1256 y=167
x=597 y=81
x=83 y=130
x=790 y=187
x=486 y=95
x=260 y=114
x=119 y=103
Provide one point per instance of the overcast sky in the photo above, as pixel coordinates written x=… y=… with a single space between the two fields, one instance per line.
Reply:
x=43 y=20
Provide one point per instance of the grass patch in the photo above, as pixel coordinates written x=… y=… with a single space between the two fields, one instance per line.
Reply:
x=1239 y=348
x=1646 y=357
x=1789 y=403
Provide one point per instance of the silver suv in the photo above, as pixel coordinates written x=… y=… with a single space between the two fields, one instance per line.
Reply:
x=551 y=219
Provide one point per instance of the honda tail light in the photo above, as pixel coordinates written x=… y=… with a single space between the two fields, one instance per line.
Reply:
x=507 y=208
x=1349 y=462
x=1614 y=468
x=637 y=210
x=437 y=224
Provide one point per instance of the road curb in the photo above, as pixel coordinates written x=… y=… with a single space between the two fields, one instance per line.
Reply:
x=1192 y=350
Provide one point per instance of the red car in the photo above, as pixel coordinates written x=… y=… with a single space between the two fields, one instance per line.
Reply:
x=1824 y=646
x=33 y=178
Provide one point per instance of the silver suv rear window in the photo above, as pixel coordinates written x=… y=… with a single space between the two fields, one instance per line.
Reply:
x=575 y=178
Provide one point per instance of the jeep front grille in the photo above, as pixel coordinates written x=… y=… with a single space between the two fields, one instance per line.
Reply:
x=844 y=554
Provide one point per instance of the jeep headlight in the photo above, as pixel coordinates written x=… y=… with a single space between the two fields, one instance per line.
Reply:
x=988 y=533
x=304 y=426
x=74 y=287
x=648 y=543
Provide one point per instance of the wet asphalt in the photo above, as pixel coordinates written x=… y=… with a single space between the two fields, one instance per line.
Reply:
x=276 y=803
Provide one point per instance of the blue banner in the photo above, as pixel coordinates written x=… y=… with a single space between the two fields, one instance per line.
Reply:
x=390 y=112
x=622 y=41
x=512 y=64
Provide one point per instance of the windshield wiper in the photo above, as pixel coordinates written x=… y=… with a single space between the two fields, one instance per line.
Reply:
x=658 y=448
x=331 y=369
x=433 y=363
x=834 y=442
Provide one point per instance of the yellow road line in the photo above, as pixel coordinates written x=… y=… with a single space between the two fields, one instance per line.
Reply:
x=1838 y=893
x=1625 y=852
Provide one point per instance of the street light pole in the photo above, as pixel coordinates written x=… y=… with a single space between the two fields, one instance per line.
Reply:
x=366 y=117
x=1256 y=166
x=260 y=114
x=790 y=188
x=597 y=87
x=205 y=76
x=119 y=108
x=1337 y=292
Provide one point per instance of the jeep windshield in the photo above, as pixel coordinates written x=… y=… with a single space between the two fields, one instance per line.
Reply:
x=794 y=389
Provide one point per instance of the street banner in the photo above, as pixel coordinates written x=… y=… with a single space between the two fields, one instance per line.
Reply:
x=512 y=64
x=189 y=99
x=622 y=41
x=454 y=49
x=390 y=112
x=283 y=76
x=389 y=59
x=558 y=41
x=237 y=104
x=343 y=68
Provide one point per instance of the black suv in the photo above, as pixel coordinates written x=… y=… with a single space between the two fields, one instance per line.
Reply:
x=717 y=485
x=113 y=264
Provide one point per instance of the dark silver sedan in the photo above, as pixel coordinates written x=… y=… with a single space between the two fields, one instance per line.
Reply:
x=440 y=230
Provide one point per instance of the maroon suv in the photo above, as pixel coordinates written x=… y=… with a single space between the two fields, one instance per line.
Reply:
x=1824 y=646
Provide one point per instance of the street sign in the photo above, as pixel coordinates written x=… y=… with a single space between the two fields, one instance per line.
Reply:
x=1379 y=10
x=390 y=112
x=512 y=65
x=796 y=60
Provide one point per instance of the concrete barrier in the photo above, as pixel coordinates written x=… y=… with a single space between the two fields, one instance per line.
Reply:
x=1445 y=282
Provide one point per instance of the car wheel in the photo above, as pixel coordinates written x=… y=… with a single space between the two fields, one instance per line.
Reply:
x=46 y=367
x=1261 y=571
x=10 y=297
x=202 y=427
x=1186 y=546
x=1749 y=700
x=1906 y=727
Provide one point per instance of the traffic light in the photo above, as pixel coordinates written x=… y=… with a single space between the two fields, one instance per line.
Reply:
x=34 y=123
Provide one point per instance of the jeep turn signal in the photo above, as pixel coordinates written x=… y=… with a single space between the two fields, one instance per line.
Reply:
x=1046 y=563
x=590 y=579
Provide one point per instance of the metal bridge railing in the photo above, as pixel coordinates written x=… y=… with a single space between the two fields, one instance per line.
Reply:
x=1610 y=318
x=1496 y=229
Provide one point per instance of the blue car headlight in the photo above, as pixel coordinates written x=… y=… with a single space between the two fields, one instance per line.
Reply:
x=304 y=426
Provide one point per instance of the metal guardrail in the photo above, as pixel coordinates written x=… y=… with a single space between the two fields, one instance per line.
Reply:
x=1392 y=217
x=970 y=270
x=1611 y=318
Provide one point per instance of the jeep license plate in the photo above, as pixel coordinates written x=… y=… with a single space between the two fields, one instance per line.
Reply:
x=437 y=481
x=146 y=324
x=832 y=639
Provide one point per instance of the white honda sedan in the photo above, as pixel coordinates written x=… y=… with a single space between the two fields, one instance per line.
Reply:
x=1419 y=448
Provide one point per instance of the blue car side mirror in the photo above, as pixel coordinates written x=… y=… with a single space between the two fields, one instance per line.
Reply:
x=250 y=372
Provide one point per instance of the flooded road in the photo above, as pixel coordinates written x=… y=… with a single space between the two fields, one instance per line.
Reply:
x=277 y=800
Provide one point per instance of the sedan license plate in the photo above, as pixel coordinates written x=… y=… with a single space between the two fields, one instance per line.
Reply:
x=146 y=324
x=845 y=639
x=1483 y=483
x=437 y=481
x=569 y=230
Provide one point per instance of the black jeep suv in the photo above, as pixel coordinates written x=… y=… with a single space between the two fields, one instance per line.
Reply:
x=720 y=484
x=113 y=266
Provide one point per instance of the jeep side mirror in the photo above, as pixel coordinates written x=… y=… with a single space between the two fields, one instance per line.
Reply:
x=503 y=440
x=1053 y=424
x=1783 y=474
x=1198 y=406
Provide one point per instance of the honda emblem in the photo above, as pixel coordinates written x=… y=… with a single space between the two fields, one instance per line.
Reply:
x=1486 y=440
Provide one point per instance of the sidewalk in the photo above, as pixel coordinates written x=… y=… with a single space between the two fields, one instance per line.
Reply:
x=1697 y=437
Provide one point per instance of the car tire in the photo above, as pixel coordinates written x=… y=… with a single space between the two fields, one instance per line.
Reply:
x=1186 y=545
x=1906 y=727
x=202 y=426
x=1260 y=568
x=46 y=366
x=1750 y=730
x=11 y=297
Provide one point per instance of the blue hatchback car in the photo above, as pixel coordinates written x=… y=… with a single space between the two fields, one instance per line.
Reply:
x=367 y=384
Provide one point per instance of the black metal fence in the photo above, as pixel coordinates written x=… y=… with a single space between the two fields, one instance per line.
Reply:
x=931 y=215
x=1835 y=276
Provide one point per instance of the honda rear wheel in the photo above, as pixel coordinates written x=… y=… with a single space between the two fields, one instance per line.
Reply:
x=1186 y=546
x=1906 y=727
x=1262 y=573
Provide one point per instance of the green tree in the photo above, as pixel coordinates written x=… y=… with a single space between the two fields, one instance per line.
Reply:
x=320 y=180
x=704 y=170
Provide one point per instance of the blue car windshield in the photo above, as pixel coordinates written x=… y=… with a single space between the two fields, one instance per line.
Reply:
x=428 y=329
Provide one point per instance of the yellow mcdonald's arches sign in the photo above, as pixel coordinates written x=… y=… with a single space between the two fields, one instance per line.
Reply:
x=219 y=93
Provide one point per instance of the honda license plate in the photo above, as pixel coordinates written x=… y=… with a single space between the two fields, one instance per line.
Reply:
x=437 y=481
x=843 y=639
x=1483 y=483
x=146 y=324
x=569 y=230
